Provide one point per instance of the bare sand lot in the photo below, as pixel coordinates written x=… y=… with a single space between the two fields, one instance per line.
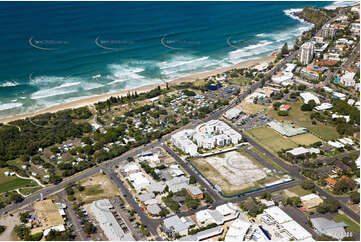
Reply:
x=232 y=171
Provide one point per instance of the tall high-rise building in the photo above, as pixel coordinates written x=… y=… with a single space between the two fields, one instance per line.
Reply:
x=328 y=31
x=307 y=50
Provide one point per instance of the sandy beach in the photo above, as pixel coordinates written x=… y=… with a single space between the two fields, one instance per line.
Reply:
x=94 y=99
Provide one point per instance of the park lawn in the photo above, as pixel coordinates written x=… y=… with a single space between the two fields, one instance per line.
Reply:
x=242 y=81
x=251 y=108
x=299 y=191
x=8 y=183
x=29 y=190
x=302 y=119
x=305 y=139
x=353 y=226
x=271 y=139
x=15 y=184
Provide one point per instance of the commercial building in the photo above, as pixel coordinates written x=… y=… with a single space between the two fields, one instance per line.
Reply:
x=298 y=152
x=307 y=96
x=286 y=227
x=238 y=230
x=307 y=50
x=130 y=168
x=328 y=31
x=48 y=216
x=330 y=228
x=174 y=225
x=139 y=181
x=310 y=201
x=100 y=209
x=178 y=183
x=204 y=235
x=339 y=95
x=232 y=113
x=286 y=130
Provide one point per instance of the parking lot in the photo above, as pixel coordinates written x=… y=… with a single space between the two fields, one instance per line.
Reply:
x=253 y=121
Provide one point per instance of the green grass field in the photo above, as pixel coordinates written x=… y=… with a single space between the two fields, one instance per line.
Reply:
x=299 y=191
x=251 y=108
x=305 y=139
x=353 y=226
x=302 y=119
x=93 y=190
x=15 y=184
x=271 y=139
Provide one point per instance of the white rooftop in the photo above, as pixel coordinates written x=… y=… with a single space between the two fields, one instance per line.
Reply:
x=278 y=215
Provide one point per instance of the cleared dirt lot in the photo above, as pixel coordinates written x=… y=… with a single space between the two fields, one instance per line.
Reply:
x=232 y=171
x=97 y=187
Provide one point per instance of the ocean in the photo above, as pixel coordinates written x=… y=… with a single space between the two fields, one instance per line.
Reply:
x=56 y=52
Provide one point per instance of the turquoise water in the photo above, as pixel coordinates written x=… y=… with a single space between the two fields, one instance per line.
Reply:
x=55 y=52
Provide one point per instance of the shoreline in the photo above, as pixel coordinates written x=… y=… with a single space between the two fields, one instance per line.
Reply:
x=88 y=101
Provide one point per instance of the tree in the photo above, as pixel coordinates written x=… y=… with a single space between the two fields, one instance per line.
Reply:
x=282 y=113
x=2 y=228
x=343 y=185
x=24 y=217
x=192 y=180
x=355 y=197
x=308 y=185
x=89 y=228
x=276 y=105
x=328 y=206
x=267 y=196
x=306 y=107
x=22 y=231
x=284 y=50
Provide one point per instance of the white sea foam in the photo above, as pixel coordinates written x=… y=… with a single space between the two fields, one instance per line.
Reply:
x=46 y=93
x=291 y=13
x=177 y=66
x=7 y=106
x=337 y=4
x=247 y=52
x=68 y=84
x=123 y=73
x=91 y=85
x=9 y=84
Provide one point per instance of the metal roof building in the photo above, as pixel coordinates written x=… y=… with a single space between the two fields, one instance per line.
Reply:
x=330 y=228
x=101 y=211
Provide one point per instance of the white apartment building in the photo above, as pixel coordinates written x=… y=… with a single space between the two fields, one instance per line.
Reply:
x=182 y=140
x=348 y=79
x=214 y=133
x=307 y=50
x=328 y=31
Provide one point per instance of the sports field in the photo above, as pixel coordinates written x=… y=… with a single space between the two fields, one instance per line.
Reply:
x=302 y=119
x=271 y=139
x=305 y=139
